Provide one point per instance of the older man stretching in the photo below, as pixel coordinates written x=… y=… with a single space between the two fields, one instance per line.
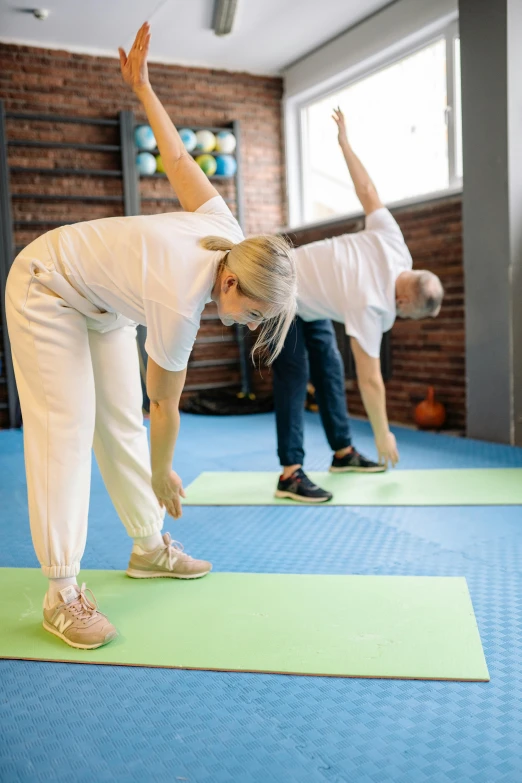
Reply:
x=363 y=280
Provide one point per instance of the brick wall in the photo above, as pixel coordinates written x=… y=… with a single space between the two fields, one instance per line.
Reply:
x=37 y=80
x=55 y=82
x=429 y=352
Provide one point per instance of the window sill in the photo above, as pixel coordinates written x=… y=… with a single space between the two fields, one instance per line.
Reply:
x=416 y=201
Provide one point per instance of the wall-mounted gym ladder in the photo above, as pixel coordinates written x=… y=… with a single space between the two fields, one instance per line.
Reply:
x=128 y=199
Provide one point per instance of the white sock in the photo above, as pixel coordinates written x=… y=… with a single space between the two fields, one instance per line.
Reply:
x=147 y=543
x=55 y=585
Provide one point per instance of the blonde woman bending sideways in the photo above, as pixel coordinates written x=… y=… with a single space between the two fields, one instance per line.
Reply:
x=73 y=298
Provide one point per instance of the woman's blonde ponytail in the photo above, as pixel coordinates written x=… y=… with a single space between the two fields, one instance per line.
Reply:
x=216 y=243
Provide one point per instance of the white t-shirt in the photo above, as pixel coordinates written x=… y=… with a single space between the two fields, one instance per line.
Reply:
x=150 y=269
x=351 y=279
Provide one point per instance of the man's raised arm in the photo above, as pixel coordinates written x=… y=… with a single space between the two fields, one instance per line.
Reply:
x=364 y=187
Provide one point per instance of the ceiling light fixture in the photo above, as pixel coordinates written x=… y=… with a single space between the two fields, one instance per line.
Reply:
x=223 y=20
x=40 y=13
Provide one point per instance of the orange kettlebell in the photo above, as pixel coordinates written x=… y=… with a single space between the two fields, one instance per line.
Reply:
x=430 y=414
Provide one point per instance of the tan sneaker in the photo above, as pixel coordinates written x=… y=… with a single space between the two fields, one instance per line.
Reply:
x=169 y=559
x=77 y=621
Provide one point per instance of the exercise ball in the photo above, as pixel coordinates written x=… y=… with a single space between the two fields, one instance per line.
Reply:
x=159 y=164
x=430 y=414
x=225 y=142
x=205 y=141
x=207 y=163
x=226 y=165
x=144 y=138
x=188 y=137
x=145 y=163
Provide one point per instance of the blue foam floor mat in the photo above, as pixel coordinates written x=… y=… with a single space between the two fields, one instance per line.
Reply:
x=82 y=723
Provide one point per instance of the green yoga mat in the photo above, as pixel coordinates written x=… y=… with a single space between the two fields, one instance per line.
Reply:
x=346 y=626
x=482 y=487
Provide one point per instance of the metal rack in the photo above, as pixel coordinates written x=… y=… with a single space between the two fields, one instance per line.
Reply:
x=8 y=248
x=130 y=199
x=6 y=257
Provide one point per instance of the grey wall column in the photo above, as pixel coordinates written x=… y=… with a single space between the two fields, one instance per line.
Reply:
x=515 y=204
x=491 y=64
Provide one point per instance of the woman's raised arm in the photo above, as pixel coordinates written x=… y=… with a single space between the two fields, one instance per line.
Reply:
x=189 y=182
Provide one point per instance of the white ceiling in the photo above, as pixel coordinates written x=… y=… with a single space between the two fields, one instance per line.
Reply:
x=268 y=35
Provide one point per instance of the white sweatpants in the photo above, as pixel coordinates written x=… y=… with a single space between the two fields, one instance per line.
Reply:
x=77 y=371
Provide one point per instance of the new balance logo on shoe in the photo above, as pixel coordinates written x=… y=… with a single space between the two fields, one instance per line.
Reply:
x=62 y=623
x=165 y=561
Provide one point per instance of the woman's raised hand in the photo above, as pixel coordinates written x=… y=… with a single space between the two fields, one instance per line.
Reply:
x=134 y=65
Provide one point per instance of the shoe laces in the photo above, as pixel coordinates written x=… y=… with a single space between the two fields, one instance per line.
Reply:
x=175 y=549
x=83 y=607
x=301 y=478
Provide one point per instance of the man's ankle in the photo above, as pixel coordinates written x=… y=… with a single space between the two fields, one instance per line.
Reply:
x=289 y=470
x=343 y=452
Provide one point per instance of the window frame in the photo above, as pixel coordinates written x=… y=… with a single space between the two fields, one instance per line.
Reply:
x=296 y=128
x=452 y=33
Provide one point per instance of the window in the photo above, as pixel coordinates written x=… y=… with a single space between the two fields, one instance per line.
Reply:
x=404 y=123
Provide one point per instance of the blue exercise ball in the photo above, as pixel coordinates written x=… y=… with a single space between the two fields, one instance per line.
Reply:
x=226 y=165
x=144 y=138
x=189 y=139
x=145 y=163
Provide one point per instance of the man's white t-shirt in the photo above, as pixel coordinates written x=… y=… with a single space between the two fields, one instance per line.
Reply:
x=351 y=279
x=150 y=269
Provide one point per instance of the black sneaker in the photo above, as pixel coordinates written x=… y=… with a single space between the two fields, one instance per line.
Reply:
x=355 y=463
x=299 y=487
